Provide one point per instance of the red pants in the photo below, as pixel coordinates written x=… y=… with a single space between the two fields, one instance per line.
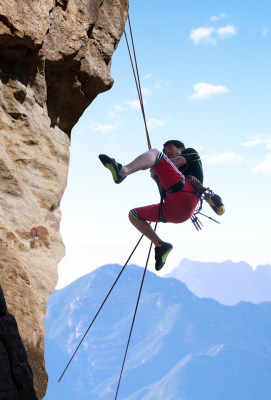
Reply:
x=177 y=207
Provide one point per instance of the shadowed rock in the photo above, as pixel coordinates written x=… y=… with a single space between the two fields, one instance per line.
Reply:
x=16 y=379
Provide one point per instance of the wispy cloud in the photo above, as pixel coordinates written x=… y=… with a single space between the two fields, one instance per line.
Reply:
x=202 y=36
x=264 y=166
x=127 y=105
x=265 y=32
x=211 y=35
x=226 y=31
x=258 y=140
x=132 y=104
x=146 y=91
x=160 y=85
x=112 y=114
x=218 y=17
x=147 y=76
x=104 y=128
x=228 y=158
x=118 y=107
x=155 y=123
x=204 y=91
x=76 y=130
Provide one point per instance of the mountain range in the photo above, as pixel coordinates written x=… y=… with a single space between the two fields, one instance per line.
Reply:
x=182 y=348
x=227 y=282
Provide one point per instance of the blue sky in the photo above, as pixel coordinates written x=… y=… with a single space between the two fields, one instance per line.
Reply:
x=205 y=73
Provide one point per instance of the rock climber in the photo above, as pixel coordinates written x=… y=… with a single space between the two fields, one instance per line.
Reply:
x=169 y=169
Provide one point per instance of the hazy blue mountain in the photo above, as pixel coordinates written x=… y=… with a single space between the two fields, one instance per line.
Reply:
x=182 y=347
x=227 y=282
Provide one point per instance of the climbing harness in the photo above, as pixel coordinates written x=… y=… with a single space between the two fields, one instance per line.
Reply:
x=175 y=188
x=206 y=194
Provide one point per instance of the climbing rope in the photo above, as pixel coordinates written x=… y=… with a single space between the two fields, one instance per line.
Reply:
x=139 y=91
x=197 y=223
x=132 y=326
x=137 y=79
x=96 y=315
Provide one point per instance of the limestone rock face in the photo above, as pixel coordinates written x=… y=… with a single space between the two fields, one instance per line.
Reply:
x=55 y=58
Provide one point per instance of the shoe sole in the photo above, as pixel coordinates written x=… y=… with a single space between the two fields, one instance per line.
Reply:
x=164 y=258
x=106 y=161
x=216 y=205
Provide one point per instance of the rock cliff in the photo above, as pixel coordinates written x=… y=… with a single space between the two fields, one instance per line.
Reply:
x=16 y=379
x=55 y=58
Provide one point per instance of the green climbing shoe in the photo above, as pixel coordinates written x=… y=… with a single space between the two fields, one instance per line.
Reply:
x=161 y=254
x=114 y=168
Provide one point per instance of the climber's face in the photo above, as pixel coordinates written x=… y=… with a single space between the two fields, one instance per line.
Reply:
x=172 y=151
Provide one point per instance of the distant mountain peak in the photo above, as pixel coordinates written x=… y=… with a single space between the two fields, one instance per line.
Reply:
x=227 y=282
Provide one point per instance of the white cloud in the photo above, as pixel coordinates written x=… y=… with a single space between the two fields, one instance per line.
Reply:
x=203 y=91
x=155 y=123
x=265 y=32
x=104 y=128
x=252 y=142
x=258 y=140
x=218 y=17
x=224 y=158
x=132 y=104
x=160 y=85
x=264 y=166
x=226 y=31
x=146 y=91
x=112 y=114
x=210 y=35
x=128 y=105
x=119 y=108
x=77 y=131
x=202 y=36
x=147 y=76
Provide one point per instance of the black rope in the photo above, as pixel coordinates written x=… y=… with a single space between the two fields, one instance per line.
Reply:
x=139 y=91
x=133 y=68
x=137 y=79
x=212 y=219
x=85 y=334
x=132 y=326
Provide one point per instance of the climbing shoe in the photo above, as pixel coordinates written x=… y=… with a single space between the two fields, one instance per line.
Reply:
x=161 y=254
x=196 y=183
x=114 y=168
x=215 y=203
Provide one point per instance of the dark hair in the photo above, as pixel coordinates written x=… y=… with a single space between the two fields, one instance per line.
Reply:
x=176 y=143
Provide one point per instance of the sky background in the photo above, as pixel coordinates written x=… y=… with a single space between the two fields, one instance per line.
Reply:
x=205 y=76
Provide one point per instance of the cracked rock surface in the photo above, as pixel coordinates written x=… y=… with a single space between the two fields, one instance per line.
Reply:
x=55 y=58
